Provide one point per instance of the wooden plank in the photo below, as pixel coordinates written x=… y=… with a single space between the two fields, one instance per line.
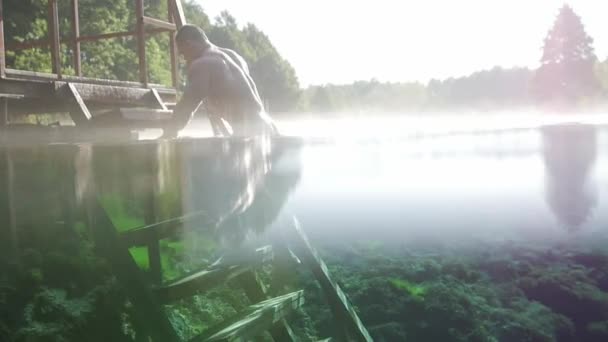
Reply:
x=159 y=23
x=153 y=244
x=198 y=282
x=53 y=29
x=46 y=77
x=162 y=230
x=80 y=113
x=256 y=292
x=219 y=126
x=352 y=327
x=159 y=100
x=76 y=36
x=112 y=95
x=148 y=311
x=179 y=18
x=255 y=320
x=211 y=277
x=2 y=46
x=141 y=42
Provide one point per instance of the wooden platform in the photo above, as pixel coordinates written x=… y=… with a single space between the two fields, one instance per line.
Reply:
x=27 y=92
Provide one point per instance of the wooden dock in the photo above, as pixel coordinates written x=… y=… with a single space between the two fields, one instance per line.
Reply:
x=24 y=92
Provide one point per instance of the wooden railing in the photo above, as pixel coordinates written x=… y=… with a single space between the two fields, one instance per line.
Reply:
x=144 y=26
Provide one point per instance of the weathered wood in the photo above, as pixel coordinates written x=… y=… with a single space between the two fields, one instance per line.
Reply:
x=159 y=23
x=12 y=211
x=173 y=49
x=4 y=118
x=76 y=36
x=24 y=75
x=255 y=320
x=211 y=277
x=2 y=46
x=161 y=230
x=147 y=309
x=153 y=244
x=141 y=42
x=256 y=292
x=53 y=29
x=113 y=94
x=159 y=100
x=178 y=13
x=80 y=113
x=41 y=43
x=219 y=126
x=351 y=328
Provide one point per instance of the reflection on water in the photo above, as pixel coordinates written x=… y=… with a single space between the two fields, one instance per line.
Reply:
x=236 y=186
x=569 y=153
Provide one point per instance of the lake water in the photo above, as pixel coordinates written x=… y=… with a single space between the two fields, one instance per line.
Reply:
x=451 y=231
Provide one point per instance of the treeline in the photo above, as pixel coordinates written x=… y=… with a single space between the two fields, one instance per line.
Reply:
x=484 y=90
x=26 y=21
x=570 y=75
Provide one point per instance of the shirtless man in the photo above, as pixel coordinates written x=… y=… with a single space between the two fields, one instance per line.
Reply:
x=220 y=78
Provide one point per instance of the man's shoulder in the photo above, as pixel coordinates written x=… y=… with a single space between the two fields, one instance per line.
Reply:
x=204 y=62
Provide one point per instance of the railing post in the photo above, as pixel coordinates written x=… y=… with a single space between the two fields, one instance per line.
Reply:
x=2 y=47
x=53 y=25
x=173 y=49
x=76 y=37
x=141 y=42
x=178 y=13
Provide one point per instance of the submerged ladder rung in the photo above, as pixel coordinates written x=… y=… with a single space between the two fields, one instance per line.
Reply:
x=254 y=320
x=141 y=236
x=209 y=278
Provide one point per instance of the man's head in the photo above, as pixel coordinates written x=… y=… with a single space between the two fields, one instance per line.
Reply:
x=191 y=42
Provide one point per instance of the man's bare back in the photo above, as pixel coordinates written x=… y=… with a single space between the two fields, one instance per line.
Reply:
x=220 y=79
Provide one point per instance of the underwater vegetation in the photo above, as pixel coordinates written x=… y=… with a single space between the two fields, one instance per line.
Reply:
x=483 y=294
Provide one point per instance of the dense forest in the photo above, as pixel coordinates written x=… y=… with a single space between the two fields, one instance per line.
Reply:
x=568 y=59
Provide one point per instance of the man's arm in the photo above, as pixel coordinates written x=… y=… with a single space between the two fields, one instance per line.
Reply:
x=196 y=90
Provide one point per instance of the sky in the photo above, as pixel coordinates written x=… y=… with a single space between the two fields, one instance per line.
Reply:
x=408 y=40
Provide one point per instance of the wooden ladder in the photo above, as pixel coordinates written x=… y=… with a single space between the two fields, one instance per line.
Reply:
x=264 y=314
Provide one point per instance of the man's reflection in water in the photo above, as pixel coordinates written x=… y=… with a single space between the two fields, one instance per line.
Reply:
x=569 y=154
x=240 y=184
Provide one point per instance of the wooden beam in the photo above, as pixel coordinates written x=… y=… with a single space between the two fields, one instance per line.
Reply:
x=161 y=230
x=350 y=325
x=12 y=211
x=76 y=36
x=215 y=275
x=22 y=75
x=80 y=113
x=255 y=320
x=159 y=100
x=179 y=18
x=147 y=310
x=53 y=30
x=141 y=42
x=159 y=23
x=4 y=118
x=153 y=244
x=16 y=46
x=2 y=46
x=256 y=292
x=172 y=49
